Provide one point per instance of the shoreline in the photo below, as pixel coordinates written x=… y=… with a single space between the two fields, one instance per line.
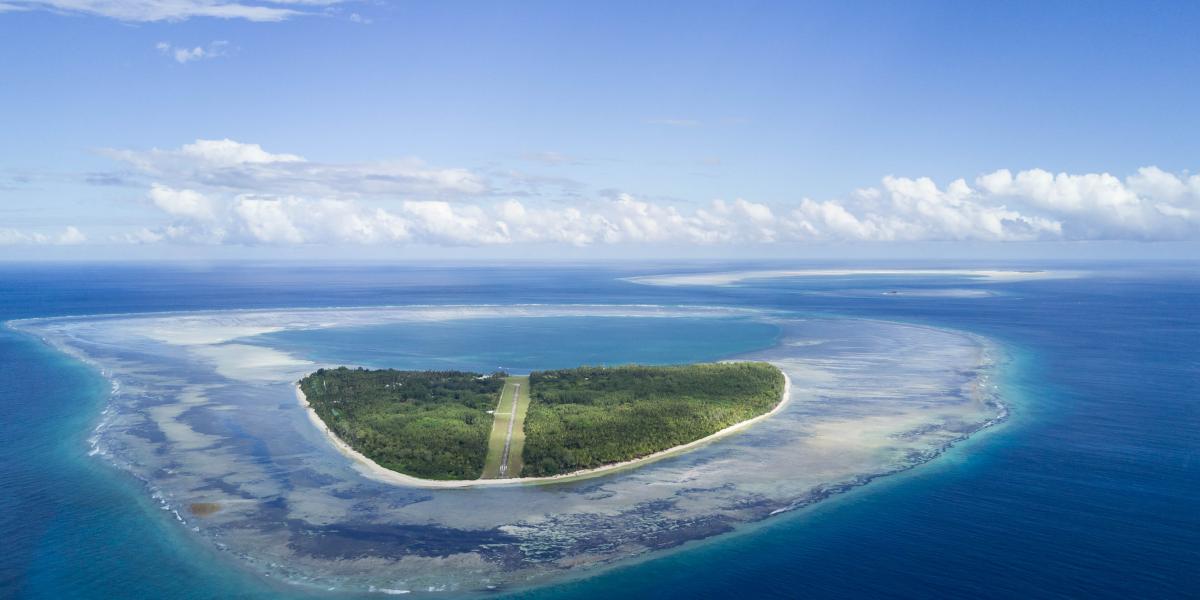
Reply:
x=789 y=498
x=374 y=470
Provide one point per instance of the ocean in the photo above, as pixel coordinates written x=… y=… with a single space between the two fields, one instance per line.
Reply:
x=1088 y=489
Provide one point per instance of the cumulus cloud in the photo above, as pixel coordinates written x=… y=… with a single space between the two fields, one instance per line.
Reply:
x=268 y=220
x=183 y=55
x=900 y=209
x=69 y=236
x=917 y=209
x=182 y=203
x=225 y=191
x=1151 y=204
x=624 y=219
x=176 y=10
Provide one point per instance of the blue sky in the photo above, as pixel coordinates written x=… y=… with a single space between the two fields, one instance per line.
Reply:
x=310 y=128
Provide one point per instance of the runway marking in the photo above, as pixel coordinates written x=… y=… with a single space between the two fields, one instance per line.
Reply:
x=508 y=440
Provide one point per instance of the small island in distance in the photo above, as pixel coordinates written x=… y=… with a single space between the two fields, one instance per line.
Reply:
x=458 y=426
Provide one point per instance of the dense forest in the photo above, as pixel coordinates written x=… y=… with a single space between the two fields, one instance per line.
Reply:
x=435 y=424
x=593 y=416
x=430 y=424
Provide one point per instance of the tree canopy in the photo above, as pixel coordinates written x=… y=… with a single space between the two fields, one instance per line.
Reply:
x=593 y=416
x=435 y=424
x=430 y=424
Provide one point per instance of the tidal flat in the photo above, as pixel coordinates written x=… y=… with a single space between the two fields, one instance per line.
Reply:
x=203 y=412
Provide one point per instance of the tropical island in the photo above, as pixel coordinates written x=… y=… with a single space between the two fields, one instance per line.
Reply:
x=458 y=426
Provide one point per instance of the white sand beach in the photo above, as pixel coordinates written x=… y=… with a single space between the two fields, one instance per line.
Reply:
x=373 y=470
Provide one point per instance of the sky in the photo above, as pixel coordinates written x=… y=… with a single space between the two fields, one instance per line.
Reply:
x=142 y=129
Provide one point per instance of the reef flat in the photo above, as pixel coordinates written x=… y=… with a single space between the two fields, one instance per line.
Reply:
x=203 y=412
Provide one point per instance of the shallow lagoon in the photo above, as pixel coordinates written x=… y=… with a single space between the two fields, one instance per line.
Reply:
x=521 y=345
x=203 y=412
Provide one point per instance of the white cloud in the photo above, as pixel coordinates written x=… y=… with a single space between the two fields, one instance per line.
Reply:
x=900 y=209
x=442 y=223
x=228 y=153
x=1155 y=183
x=182 y=55
x=182 y=203
x=1151 y=204
x=268 y=220
x=224 y=191
x=177 y=10
x=917 y=209
x=143 y=235
x=69 y=236
x=201 y=155
x=227 y=165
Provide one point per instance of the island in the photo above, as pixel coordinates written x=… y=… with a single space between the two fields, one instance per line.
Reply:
x=460 y=426
x=206 y=410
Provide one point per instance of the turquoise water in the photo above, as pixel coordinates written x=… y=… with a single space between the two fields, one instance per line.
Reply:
x=523 y=345
x=1088 y=491
x=201 y=416
x=72 y=527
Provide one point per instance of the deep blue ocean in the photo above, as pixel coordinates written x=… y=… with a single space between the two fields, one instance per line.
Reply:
x=1090 y=490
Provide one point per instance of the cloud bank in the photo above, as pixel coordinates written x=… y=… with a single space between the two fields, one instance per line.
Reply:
x=224 y=191
x=230 y=166
x=69 y=236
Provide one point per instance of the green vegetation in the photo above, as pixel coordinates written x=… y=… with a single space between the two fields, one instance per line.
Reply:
x=430 y=424
x=591 y=416
x=515 y=388
x=436 y=424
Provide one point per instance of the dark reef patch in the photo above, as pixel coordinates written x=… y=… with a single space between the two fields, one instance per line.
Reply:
x=360 y=540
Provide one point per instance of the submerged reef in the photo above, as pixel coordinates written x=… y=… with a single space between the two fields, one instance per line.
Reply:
x=203 y=411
